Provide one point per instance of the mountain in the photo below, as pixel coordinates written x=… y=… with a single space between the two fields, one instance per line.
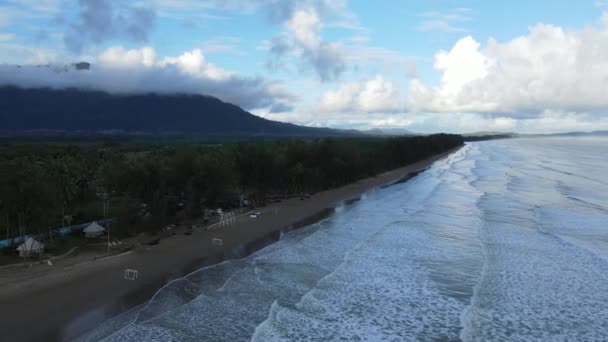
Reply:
x=76 y=111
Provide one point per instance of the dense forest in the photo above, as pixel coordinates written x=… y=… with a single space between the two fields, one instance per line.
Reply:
x=146 y=185
x=484 y=137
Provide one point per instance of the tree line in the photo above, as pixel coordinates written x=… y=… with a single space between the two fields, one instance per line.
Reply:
x=148 y=185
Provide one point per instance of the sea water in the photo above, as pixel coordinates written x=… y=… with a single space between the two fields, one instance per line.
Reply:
x=502 y=240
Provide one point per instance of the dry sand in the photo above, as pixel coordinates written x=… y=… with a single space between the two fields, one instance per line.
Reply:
x=63 y=302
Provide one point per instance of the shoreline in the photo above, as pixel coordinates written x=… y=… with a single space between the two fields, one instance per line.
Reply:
x=68 y=302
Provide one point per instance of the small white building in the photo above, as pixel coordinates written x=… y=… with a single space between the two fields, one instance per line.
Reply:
x=94 y=230
x=30 y=247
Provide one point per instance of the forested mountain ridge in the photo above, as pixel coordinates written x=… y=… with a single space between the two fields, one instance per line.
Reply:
x=87 y=111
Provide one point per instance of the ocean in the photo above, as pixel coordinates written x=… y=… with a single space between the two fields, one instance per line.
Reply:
x=502 y=240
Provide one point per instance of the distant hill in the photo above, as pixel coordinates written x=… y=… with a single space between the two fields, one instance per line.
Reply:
x=388 y=132
x=74 y=111
x=483 y=134
x=565 y=134
x=580 y=134
x=478 y=136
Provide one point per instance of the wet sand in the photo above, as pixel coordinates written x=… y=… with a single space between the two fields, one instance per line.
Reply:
x=66 y=302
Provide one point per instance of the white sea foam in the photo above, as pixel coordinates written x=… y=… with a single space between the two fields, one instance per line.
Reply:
x=535 y=285
x=503 y=240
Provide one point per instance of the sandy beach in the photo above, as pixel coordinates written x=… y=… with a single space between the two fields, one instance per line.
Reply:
x=63 y=302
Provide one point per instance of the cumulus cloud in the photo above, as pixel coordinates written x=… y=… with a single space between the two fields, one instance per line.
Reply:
x=376 y=95
x=325 y=57
x=120 y=57
x=549 y=69
x=119 y=70
x=303 y=22
x=101 y=20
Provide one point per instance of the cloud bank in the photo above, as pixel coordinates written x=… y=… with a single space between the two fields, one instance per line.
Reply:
x=119 y=70
x=548 y=70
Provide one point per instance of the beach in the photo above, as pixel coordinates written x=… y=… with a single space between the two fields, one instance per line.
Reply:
x=62 y=303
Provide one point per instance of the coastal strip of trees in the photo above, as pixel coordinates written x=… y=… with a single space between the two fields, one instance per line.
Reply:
x=484 y=137
x=148 y=185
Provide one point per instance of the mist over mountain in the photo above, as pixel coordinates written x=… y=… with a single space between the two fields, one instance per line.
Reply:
x=189 y=75
x=86 y=111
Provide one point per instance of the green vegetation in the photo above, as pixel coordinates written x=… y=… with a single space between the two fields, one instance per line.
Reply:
x=150 y=184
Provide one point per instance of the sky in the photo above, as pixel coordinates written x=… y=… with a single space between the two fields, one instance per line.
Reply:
x=419 y=65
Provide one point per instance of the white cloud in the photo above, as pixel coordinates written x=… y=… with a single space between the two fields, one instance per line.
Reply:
x=462 y=65
x=342 y=99
x=376 y=95
x=550 y=68
x=304 y=27
x=303 y=22
x=119 y=70
x=119 y=57
x=191 y=63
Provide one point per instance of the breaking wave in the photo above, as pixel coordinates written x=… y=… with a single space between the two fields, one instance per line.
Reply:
x=502 y=240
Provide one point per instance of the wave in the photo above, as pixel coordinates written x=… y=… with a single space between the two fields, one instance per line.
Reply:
x=486 y=244
x=535 y=283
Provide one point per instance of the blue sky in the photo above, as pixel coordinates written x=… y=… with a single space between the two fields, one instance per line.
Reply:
x=421 y=65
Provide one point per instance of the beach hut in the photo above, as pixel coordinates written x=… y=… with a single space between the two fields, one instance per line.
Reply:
x=94 y=230
x=30 y=247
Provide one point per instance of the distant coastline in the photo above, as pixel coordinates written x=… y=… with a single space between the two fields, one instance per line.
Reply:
x=480 y=136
